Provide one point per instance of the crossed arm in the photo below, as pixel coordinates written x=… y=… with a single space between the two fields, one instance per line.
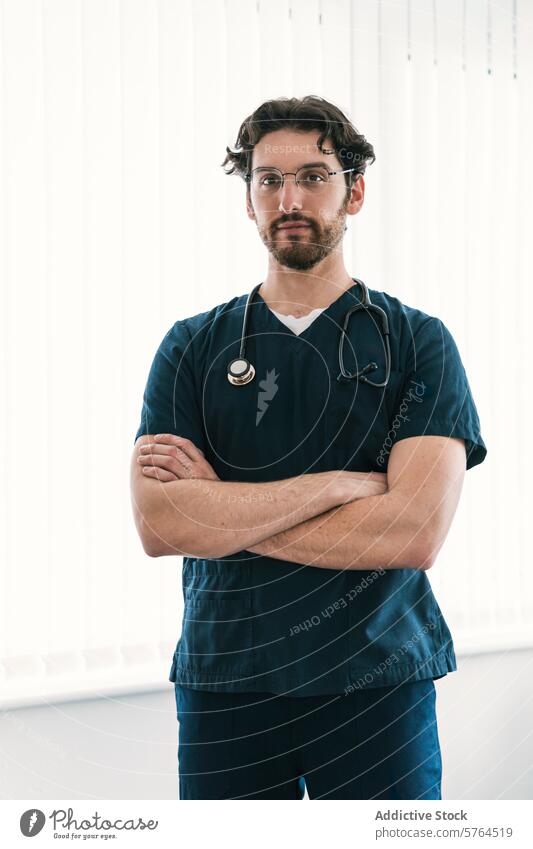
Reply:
x=404 y=527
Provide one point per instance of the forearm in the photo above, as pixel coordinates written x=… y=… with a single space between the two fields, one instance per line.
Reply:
x=210 y=518
x=377 y=531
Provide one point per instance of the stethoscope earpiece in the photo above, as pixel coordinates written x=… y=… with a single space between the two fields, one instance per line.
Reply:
x=346 y=377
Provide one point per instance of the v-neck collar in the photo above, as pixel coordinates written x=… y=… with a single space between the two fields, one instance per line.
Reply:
x=333 y=309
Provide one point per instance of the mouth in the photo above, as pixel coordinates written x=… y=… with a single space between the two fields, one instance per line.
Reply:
x=296 y=227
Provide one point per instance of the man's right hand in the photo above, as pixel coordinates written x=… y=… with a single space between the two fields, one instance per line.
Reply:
x=172 y=458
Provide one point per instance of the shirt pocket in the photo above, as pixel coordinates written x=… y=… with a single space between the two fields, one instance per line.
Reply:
x=360 y=420
x=216 y=637
x=394 y=623
x=217 y=629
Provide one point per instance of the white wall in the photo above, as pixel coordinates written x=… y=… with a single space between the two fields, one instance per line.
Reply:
x=114 y=119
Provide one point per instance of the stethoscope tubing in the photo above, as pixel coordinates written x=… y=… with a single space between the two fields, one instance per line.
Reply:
x=240 y=371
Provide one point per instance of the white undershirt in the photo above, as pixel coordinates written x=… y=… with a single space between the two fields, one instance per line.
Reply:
x=301 y=323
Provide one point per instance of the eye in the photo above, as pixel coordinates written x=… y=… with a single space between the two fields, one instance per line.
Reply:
x=269 y=179
x=314 y=176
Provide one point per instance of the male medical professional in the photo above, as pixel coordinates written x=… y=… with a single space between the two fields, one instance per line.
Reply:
x=308 y=509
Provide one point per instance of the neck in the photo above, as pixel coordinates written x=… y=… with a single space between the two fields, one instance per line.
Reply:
x=299 y=292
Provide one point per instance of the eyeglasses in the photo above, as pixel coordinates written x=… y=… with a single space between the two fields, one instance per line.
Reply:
x=310 y=178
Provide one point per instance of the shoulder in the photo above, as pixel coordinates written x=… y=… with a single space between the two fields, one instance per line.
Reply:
x=400 y=310
x=407 y=322
x=194 y=329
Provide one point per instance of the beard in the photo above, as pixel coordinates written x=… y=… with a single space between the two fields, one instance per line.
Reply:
x=302 y=252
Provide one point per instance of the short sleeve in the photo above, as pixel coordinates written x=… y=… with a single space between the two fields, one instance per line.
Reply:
x=436 y=399
x=170 y=403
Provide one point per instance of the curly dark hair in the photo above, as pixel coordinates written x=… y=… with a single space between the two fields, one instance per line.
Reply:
x=302 y=114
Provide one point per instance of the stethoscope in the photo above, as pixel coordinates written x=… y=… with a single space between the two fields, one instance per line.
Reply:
x=240 y=371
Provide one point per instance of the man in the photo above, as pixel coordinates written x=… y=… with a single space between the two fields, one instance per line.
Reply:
x=308 y=508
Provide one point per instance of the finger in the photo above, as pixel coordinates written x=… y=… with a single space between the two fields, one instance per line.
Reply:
x=176 y=462
x=161 y=474
x=187 y=445
x=158 y=448
x=172 y=450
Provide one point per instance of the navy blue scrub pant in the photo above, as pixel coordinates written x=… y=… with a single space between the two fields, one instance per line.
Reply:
x=378 y=743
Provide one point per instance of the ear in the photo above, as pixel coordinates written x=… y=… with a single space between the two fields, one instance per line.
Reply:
x=249 y=208
x=357 y=196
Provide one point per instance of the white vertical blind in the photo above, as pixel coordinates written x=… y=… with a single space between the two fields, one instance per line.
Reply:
x=116 y=219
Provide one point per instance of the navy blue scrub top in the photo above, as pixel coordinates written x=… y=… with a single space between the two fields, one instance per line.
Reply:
x=254 y=623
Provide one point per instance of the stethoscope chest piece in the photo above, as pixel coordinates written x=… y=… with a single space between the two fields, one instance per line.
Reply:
x=240 y=371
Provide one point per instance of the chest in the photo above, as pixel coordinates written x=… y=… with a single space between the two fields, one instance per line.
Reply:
x=295 y=417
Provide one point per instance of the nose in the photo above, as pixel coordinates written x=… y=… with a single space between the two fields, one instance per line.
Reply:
x=290 y=195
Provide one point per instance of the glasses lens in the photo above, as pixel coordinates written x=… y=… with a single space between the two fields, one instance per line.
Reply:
x=266 y=180
x=312 y=178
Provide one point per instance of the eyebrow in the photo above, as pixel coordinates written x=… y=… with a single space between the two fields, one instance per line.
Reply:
x=305 y=165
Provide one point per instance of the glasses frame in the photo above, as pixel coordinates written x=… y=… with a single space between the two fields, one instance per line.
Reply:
x=248 y=177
